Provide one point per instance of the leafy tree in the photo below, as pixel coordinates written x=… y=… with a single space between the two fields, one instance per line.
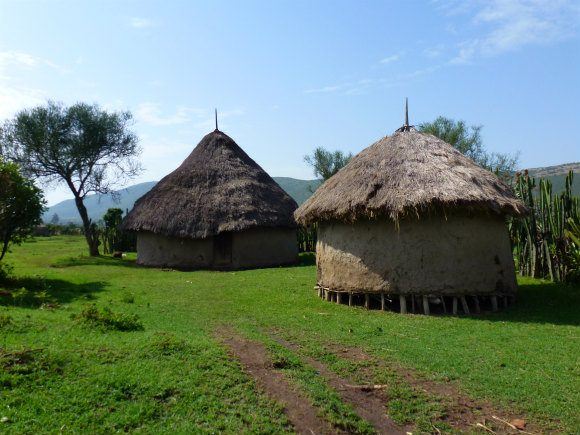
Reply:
x=88 y=149
x=113 y=217
x=327 y=163
x=21 y=206
x=467 y=139
x=111 y=233
x=55 y=219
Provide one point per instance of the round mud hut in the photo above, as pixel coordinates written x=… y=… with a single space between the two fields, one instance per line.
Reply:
x=411 y=224
x=218 y=210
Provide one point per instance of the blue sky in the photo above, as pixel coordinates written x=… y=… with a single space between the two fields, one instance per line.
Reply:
x=287 y=76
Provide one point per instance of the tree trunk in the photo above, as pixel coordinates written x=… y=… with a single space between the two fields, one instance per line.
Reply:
x=4 y=248
x=90 y=235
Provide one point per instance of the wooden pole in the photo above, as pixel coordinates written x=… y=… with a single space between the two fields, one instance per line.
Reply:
x=403 y=303
x=454 y=305
x=338 y=297
x=426 y=305
x=464 y=305
x=443 y=304
x=367 y=301
x=476 y=302
x=494 y=303
x=382 y=302
x=350 y=299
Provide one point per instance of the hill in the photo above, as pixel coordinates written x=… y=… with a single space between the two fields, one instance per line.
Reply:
x=97 y=205
x=557 y=175
x=300 y=190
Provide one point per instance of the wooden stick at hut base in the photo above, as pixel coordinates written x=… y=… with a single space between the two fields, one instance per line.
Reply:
x=464 y=305
x=494 y=303
x=367 y=301
x=454 y=305
x=476 y=303
x=350 y=299
x=403 y=303
x=382 y=302
x=426 y=305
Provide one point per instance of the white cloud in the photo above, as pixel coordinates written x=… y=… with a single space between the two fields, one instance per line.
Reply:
x=326 y=89
x=508 y=25
x=201 y=119
x=141 y=23
x=150 y=113
x=12 y=57
x=390 y=59
x=15 y=96
x=435 y=51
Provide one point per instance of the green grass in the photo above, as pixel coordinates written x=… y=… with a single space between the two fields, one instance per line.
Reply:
x=174 y=375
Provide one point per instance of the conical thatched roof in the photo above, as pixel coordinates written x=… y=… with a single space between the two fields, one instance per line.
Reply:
x=407 y=173
x=217 y=188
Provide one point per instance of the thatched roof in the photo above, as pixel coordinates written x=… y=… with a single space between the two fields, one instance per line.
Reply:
x=406 y=174
x=217 y=188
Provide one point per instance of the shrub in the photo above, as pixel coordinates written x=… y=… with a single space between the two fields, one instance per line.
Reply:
x=21 y=206
x=167 y=344
x=128 y=298
x=5 y=321
x=107 y=319
x=5 y=272
x=22 y=296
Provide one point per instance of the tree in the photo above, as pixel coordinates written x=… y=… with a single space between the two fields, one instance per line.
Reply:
x=468 y=141
x=111 y=234
x=21 y=206
x=88 y=149
x=55 y=219
x=327 y=163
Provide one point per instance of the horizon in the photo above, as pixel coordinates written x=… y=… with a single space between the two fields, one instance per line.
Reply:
x=290 y=76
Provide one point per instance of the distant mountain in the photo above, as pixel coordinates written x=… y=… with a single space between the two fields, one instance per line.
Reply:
x=300 y=190
x=549 y=171
x=557 y=175
x=97 y=205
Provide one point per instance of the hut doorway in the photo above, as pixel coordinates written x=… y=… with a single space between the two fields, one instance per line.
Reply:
x=222 y=249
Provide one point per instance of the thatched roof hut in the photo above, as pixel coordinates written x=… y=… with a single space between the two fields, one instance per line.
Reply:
x=218 y=209
x=412 y=216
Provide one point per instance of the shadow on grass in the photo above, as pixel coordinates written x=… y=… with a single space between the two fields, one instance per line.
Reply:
x=306 y=259
x=543 y=302
x=94 y=261
x=33 y=292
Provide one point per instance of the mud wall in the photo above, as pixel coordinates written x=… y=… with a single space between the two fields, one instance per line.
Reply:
x=454 y=255
x=162 y=251
x=259 y=247
x=262 y=247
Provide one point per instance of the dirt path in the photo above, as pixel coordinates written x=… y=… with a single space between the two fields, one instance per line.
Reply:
x=256 y=362
x=368 y=404
x=463 y=412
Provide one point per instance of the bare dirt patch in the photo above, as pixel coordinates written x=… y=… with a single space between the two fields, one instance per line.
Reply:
x=463 y=412
x=256 y=362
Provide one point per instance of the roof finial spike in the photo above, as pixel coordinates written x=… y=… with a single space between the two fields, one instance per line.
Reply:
x=216 y=124
x=406 y=126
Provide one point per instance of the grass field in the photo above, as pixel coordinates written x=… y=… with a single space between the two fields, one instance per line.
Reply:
x=156 y=362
